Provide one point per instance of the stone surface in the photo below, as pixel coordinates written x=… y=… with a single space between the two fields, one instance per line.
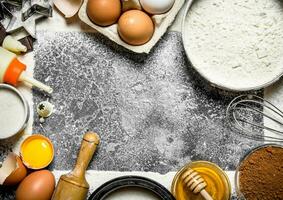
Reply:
x=153 y=112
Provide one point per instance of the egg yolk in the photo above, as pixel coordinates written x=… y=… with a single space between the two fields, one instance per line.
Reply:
x=37 y=153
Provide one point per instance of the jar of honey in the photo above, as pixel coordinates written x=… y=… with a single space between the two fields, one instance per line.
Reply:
x=218 y=184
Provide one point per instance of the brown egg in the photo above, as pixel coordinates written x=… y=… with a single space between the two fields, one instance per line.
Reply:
x=135 y=27
x=18 y=175
x=38 y=185
x=103 y=12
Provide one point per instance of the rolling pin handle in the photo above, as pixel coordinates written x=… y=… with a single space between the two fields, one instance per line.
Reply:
x=88 y=147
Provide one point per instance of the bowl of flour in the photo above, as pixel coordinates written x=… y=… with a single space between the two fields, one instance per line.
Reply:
x=235 y=45
x=14 y=111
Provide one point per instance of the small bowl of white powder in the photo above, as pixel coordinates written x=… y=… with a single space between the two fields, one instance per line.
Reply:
x=14 y=111
x=235 y=45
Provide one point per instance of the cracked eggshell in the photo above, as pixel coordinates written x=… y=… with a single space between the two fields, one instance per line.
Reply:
x=12 y=171
x=68 y=7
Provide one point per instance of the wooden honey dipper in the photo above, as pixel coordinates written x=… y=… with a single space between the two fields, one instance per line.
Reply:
x=195 y=183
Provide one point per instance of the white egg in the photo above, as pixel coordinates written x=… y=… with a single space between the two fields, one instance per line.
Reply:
x=156 y=6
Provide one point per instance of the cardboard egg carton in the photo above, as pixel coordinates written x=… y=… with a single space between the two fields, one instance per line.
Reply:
x=162 y=22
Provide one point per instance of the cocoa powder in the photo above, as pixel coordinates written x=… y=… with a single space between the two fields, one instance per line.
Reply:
x=261 y=174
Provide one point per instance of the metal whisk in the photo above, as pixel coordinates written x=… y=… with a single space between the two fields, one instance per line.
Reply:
x=246 y=114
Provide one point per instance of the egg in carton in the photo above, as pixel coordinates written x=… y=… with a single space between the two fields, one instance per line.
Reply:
x=152 y=8
x=131 y=4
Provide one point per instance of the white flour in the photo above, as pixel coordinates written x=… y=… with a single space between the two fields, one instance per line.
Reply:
x=236 y=44
x=12 y=113
x=131 y=193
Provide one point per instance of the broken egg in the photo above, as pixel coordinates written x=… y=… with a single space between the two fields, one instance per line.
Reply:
x=12 y=171
x=37 y=151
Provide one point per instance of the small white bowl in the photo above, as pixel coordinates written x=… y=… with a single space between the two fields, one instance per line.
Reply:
x=25 y=112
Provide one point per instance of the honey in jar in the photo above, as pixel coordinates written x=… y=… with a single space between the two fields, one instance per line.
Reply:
x=218 y=184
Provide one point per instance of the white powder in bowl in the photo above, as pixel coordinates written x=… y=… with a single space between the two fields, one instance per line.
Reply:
x=132 y=193
x=237 y=45
x=12 y=113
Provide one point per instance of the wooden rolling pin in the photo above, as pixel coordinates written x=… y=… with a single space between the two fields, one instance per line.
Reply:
x=195 y=183
x=73 y=186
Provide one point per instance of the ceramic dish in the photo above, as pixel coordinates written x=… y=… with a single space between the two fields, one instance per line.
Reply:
x=162 y=22
x=218 y=82
x=14 y=111
x=237 y=174
x=145 y=185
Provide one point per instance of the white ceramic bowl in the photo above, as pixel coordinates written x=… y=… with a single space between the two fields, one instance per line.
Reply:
x=22 y=125
x=219 y=83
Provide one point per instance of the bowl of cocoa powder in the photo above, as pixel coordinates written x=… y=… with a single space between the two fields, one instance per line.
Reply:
x=259 y=174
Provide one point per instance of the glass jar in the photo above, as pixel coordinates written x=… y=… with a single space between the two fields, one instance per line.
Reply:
x=218 y=184
x=245 y=157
